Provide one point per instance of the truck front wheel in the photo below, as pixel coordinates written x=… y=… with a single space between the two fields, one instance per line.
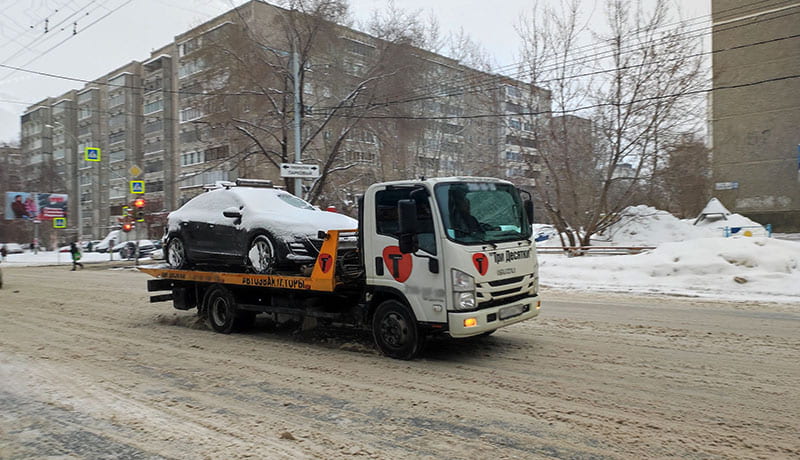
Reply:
x=395 y=331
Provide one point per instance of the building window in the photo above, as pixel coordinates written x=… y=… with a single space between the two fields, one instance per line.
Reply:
x=190 y=113
x=118 y=189
x=513 y=156
x=190 y=67
x=85 y=97
x=116 y=137
x=512 y=91
x=153 y=126
x=116 y=121
x=192 y=158
x=154 y=166
x=153 y=147
x=515 y=124
x=154 y=106
x=117 y=81
x=84 y=113
x=117 y=155
x=189 y=46
x=116 y=99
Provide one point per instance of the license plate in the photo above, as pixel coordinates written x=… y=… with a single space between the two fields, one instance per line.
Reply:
x=510 y=312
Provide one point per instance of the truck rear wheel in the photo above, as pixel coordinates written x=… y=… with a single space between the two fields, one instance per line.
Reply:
x=220 y=307
x=395 y=331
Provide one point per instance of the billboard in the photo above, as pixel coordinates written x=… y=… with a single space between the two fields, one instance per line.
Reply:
x=43 y=206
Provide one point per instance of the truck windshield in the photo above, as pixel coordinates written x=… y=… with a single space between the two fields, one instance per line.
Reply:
x=482 y=212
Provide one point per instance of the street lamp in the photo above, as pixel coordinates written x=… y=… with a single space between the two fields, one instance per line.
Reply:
x=77 y=186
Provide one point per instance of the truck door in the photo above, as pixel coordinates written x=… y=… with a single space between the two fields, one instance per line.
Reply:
x=418 y=276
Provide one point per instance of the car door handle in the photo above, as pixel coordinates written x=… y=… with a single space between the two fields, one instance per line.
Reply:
x=210 y=225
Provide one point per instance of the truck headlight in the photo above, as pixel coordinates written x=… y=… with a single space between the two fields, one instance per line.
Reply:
x=463 y=290
x=464 y=300
x=462 y=282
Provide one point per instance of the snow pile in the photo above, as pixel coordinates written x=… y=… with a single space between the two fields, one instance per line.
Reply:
x=735 y=268
x=646 y=225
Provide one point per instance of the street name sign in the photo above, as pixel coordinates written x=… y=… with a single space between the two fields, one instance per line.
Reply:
x=299 y=170
x=726 y=186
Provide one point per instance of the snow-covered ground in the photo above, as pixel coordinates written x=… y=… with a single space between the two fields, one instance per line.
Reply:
x=689 y=260
x=55 y=258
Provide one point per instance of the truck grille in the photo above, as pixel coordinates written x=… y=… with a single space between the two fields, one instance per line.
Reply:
x=505 y=291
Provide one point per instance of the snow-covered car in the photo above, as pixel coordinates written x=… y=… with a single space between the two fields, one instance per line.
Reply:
x=257 y=228
x=13 y=248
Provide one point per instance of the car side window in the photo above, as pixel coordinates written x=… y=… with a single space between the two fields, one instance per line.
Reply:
x=387 y=221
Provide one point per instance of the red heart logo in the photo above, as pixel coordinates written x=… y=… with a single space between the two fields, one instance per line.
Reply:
x=481 y=262
x=325 y=262
x=399 y=264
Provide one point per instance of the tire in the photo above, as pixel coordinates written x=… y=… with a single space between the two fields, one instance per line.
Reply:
x=395 y=331
x=175 y=253
x=220 y=307
x=261 y=256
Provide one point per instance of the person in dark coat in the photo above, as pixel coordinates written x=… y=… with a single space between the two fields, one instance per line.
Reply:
x=76 y=256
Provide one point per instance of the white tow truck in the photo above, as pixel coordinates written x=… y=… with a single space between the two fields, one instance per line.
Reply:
x=450 y=256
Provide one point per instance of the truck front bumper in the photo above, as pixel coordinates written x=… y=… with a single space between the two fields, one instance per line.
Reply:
x=460 y=324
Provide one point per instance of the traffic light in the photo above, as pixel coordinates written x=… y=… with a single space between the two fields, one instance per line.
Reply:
x=127 y=226
x=139 y=204
x=127 y=211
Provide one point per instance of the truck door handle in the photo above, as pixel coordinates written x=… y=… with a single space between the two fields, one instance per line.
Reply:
x=379 y=266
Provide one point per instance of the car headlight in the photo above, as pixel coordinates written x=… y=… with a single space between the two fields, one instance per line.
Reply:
x=463 y=290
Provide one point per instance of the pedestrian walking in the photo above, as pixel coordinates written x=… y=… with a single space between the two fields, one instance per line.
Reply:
x=76 y=256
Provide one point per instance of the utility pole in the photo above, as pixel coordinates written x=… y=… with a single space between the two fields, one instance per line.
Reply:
x=298 y=182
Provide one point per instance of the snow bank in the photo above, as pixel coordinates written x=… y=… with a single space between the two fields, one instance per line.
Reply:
x=737 y=268
x=646 y=225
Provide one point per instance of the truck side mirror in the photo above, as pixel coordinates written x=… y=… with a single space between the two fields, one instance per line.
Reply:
x=407 y=222
x=529 y=210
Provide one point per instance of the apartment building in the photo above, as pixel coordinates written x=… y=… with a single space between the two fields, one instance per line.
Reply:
x=216 y=104
x=755 y=110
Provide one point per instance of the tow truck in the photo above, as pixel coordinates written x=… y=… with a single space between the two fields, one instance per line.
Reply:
x=439 y=256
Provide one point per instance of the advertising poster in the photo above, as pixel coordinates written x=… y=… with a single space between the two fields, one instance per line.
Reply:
x=42 y=206
x=21 y=205
x=52 y=205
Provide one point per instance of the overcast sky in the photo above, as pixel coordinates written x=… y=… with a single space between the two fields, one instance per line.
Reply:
x=111 y=33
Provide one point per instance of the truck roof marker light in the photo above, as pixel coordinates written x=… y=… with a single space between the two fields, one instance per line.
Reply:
x=470 y=322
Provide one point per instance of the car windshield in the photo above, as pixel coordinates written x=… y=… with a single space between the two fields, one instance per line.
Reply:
x=482 y=212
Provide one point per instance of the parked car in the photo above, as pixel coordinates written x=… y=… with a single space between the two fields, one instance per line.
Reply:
x=113 y=237
x=13 y=248
x=258 y=228
x=127 y=249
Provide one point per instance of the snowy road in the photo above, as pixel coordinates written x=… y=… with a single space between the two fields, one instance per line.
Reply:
x=90 y=369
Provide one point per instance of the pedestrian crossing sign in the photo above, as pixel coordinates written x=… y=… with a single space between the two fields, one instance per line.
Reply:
x=137 y=186
x=92 y=154
x=59 y=222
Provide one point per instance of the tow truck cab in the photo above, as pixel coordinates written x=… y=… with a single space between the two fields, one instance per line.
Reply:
x=461 y=275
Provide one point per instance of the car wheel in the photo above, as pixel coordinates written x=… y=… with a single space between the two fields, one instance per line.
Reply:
x=261 y=256
x=395 y=331
x=176 y=253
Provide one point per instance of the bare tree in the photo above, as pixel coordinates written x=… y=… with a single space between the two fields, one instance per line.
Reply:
x=345 y=78
x=636 y=102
